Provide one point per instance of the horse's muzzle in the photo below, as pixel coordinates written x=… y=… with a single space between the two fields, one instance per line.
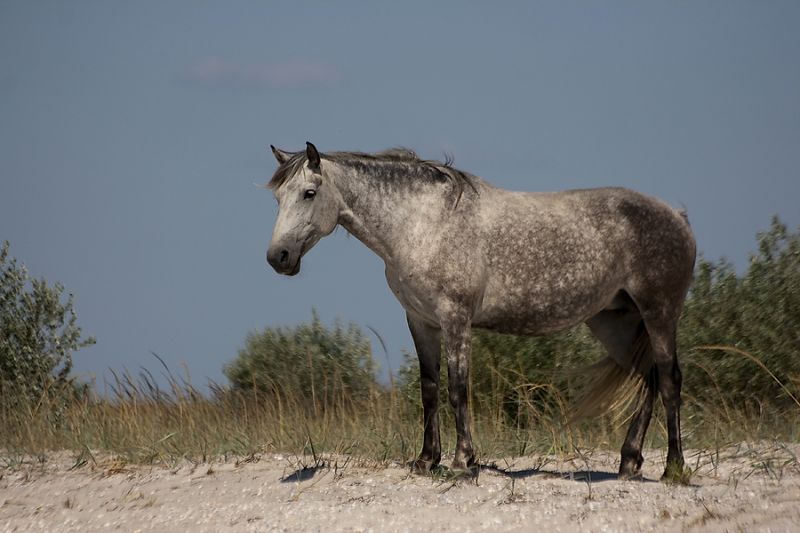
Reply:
x=283 y=260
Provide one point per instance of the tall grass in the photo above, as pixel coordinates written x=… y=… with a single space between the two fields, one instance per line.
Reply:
x=137 y=421
x=140 y=422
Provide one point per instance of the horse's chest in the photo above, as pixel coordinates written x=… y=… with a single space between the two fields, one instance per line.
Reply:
x=413 y=293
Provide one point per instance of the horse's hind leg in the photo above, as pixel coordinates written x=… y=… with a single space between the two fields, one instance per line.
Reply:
x=427 y=341
x=622 y=333
x=663 y=342
x=631 y=463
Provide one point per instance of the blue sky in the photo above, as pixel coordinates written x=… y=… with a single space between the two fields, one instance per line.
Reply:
x=132 y=134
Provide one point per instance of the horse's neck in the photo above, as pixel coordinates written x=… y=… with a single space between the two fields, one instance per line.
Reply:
x=378 y=219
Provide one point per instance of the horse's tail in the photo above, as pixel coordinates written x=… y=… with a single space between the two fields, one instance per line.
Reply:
x=613 y=385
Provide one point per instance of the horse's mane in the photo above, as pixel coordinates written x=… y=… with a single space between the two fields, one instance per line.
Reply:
x=389 y=163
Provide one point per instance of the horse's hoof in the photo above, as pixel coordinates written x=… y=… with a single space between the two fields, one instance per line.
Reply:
x=630 y=475
x=469 y=469
x=677 y=473
x=630 y=469
x=422 y=466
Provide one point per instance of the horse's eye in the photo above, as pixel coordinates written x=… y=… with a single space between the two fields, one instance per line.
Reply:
x=309 y=194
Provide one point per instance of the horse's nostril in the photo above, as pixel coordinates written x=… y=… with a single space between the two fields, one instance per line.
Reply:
x=284 y=256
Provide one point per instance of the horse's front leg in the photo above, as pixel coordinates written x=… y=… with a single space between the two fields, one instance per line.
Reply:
x=428 y=343
x=458 y=344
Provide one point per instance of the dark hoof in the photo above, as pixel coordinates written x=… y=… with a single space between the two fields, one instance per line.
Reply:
x=630 y=469
x=677 y=473
x=464 y=459
x=460 y=469
x=423 y=466
x=627 y=475
x=471 y=471
x=443 y=473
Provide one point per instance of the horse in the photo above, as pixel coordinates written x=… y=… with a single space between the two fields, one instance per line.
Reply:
x=462 y=254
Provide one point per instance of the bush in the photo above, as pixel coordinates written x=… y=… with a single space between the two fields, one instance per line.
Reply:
x=310 y=362
x=38 y=332
x=757 y=312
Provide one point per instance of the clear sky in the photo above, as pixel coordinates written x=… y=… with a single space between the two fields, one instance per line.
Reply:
x=132 y=134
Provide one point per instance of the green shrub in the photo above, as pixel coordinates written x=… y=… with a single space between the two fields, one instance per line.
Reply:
x=38 y=333
x=308 y=361
x=757 y=312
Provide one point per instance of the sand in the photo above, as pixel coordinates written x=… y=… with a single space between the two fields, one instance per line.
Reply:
x=739 y=488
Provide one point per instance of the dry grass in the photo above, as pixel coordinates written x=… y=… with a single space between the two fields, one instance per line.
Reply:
x=136 y=421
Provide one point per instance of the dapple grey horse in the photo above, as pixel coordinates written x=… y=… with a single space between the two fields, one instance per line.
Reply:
x=460 y=253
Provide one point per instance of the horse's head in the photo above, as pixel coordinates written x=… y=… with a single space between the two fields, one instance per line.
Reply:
x=308 y=208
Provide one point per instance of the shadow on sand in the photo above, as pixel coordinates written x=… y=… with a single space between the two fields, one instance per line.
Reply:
x=583 y=476
x=301 y=474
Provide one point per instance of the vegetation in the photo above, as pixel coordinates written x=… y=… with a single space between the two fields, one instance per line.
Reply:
x=757 y=313
x=312 y=389
x=329 y=366
x=38 y=333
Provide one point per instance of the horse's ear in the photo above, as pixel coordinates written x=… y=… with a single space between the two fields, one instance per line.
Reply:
x=313 y=156
x=280 y=155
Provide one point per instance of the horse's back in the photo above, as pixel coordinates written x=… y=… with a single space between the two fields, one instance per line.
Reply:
x=554 y=259
x=590 y=219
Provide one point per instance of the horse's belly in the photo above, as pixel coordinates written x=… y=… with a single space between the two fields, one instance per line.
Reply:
x=538 y=310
